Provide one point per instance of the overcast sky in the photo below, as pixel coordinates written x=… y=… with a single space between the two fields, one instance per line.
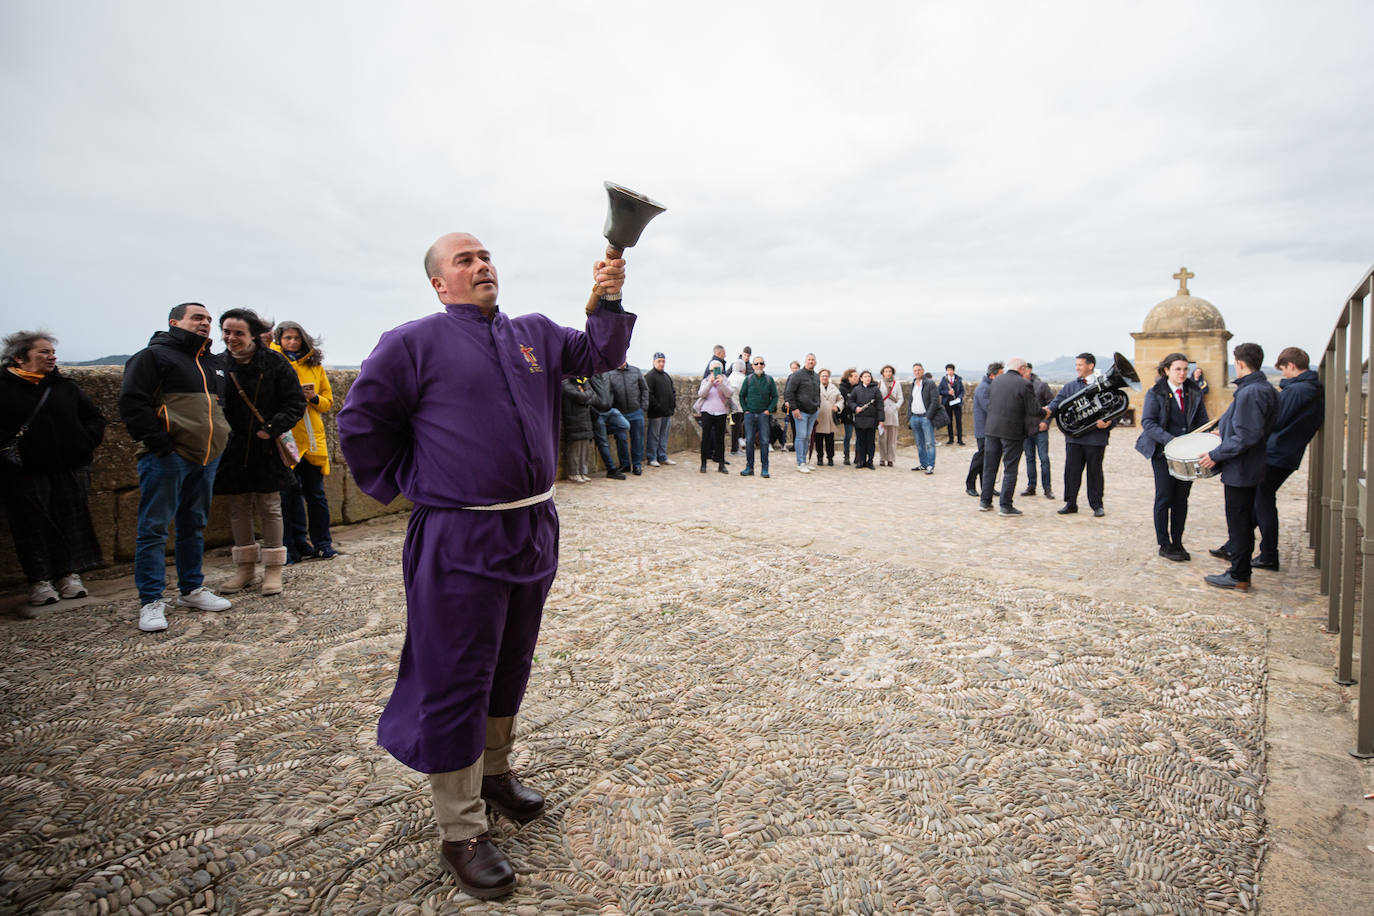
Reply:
x=874 y=182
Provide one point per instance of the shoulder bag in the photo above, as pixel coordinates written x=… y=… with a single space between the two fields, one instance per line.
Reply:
x=9 y=452
x=286 y=443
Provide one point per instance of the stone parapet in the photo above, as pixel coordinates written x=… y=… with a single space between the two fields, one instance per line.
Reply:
x=114 y=474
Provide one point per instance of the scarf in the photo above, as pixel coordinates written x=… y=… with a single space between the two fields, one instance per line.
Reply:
x=33 y=378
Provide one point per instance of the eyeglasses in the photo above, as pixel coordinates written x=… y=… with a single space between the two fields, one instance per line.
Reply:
x=759 y=363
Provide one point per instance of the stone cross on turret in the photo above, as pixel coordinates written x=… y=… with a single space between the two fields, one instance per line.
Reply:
x=1183 y=276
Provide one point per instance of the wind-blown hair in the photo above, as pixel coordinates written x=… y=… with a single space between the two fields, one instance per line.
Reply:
x=256 y=326
x=17 y=346
x=314 y=355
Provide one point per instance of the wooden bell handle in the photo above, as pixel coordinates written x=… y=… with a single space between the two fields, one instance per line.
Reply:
x=611 y=254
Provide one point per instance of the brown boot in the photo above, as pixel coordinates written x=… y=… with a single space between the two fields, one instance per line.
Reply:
x=480 y=868
x=273 y=559
x=247 y=560
x=508 y=795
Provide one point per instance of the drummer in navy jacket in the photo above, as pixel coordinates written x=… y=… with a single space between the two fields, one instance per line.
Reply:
x=1302 y=407
x=1173 y=407
x=1244 y=429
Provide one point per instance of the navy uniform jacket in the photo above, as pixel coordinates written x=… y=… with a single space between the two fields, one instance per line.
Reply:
x=1093 y=436
x=1161 y=420
x=1302 y=407
x=1244 y=429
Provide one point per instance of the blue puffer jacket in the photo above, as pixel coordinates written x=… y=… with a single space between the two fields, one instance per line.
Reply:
x=981 y=394
x=1302 y=407
x=1244 y=429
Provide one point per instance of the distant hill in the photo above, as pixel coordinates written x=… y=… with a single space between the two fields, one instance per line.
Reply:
x=102 y=361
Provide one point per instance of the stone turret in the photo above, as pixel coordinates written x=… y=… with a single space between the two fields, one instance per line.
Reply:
x=1186 y=324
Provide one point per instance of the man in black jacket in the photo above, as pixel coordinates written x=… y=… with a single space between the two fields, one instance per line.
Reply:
x=1085 y=452
x=630 y=395
x=1302 y=407
x=662 y=406
x=802 y=397
x=1013 y=413
x=951 y=391
x=171 y=401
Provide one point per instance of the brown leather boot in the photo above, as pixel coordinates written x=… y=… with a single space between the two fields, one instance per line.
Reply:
x=509 y=796
x=247 y=560
x=273 y=558
x=479 y=867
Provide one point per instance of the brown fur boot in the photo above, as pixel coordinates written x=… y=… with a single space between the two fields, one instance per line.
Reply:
x=247 y=560
x=273 y=558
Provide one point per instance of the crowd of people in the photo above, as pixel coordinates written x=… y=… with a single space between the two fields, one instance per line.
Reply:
x=482 y=540
x=245 y=424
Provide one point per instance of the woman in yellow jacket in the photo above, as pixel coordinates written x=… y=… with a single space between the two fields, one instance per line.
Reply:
x=306 y=500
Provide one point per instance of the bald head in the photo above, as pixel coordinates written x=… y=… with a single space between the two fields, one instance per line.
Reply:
x=461 y=271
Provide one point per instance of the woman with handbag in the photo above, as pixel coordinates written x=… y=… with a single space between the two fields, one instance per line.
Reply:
x=49 y=429
x=832 y=403
x=263 y=401
x=304 y=507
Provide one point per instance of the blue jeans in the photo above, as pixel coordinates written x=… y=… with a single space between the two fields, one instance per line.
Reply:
x=924 y=433
x=618 y=424
x=302 y=502
x=1040 y=442
x=636 y=420
x=757 y=425
x=171 y=488
x=804 y=424
x=657 y=448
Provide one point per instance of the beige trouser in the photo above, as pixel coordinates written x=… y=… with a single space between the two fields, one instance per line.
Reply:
x=241 y=518
x=458 y=805
x=887 y=444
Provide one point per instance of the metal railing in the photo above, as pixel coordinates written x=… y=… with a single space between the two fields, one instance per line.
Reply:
x=1340 y=515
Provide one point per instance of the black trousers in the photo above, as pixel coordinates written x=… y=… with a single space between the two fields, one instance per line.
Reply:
x=1078 y=458
x=825 y=446
x=713 y=437
x=736 y=431
x=863 y=450
x=1240 y=525
x=975 y=466
x=1171 y=504
x=956 y=421
x=1008 y=452
x=1267 y=513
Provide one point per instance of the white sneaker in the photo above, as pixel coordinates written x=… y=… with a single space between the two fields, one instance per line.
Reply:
x=653 y=464
x=41 y=593
x=804 y=469
x=152 y=616
x=202 y=599
x=70 y=586
x=667 y=461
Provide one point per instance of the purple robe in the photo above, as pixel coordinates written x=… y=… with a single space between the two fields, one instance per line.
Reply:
x=456 y=410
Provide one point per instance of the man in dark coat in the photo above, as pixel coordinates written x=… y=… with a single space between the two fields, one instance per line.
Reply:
x=630 y=395
x=171 y=402
x=952 y=399
x=662 y=406
x=1302 y=407
x=1013 y=413
x=1038 y=443
x=476 y=451
x=980 y=417
x=1244 y=430
x=1084 y=452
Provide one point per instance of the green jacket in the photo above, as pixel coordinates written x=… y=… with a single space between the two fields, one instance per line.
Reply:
x=758 y=393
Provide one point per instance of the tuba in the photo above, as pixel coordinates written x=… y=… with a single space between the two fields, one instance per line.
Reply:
x=1104 y=399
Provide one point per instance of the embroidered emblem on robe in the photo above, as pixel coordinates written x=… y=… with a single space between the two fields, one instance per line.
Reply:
x=528 y=353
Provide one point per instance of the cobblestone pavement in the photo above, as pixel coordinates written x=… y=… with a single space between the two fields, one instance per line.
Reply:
x=843 y=692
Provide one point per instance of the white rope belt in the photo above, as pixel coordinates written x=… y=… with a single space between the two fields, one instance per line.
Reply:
x=517 y=504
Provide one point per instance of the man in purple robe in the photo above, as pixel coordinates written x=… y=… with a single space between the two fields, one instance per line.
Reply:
x=459 y=411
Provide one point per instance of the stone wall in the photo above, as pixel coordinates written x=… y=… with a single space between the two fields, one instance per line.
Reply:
x=114 y=475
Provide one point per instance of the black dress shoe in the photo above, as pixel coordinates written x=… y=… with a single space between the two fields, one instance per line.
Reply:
x=508 y=795
x=479 y=867
x=1174 y=552
x=1049 y=494
x=970 y=491
x=1028 y=491
x=613 y=474
x=1272 y=565
x=1220 y=553
x=1067 y=510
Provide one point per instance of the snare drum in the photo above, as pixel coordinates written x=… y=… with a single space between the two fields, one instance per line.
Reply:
x=1182 y=452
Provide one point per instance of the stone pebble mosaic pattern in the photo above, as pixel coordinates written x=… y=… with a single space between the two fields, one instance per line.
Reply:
x=715 y=734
